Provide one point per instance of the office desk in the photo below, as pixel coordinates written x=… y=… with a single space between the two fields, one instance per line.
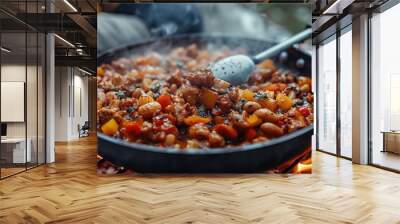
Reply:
x=391 y=141
x=13 y=150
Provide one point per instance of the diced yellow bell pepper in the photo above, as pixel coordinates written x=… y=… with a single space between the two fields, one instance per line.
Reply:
x=145 y=99
x=208 y=98
x=110 y=128
x=253 y=120
x=284 y=102
x=195 y=119
x=248 y=95
x=270 y=104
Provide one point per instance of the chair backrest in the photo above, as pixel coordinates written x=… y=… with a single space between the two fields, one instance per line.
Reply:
x=86 y=125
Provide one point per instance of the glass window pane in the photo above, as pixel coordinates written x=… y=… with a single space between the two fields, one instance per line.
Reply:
x=31 y=97
x=346 y=94
x=327 y=97
x=41 y=99
x=385 y=83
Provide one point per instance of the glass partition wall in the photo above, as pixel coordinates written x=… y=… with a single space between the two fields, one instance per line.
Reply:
x=345 y=93
x=327 y=96
x=22 y=98
x=334 y=94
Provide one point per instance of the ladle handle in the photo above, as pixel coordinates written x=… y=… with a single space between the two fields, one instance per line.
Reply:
x=282 y=46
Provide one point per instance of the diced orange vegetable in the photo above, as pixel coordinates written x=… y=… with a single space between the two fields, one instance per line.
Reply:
x=219 y=119
x=110 y=127
x=303 y=80
x=132 y=128
x=251 y=134
x=272 y=87
x=267 y=64
x=253 y=120
x=100 y=71
x=284 y=102
x=208 y=98
x=144 y=99
x=276 y=87
x=164 y=100
x=226 y=131
x=305 y=111
x=248 y=95
x=141 y=73
x=270 y=104
x=305 y=88
x=195 y=119
x=299 y=117
x=282 y=86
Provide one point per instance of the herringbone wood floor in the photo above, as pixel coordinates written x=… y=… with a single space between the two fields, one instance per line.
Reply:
x=69 y=191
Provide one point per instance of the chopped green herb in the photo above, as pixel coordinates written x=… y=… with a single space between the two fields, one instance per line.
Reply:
x=155 y=87
x=179 y=64
x=202 y=111
x=242 y=102
x=130 y=109
x=120 y=94
x=261 y=96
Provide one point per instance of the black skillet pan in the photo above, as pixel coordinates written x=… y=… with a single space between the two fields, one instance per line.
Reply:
x=242 y=159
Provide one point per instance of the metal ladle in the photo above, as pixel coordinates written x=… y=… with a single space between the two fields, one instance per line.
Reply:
x=237 y=69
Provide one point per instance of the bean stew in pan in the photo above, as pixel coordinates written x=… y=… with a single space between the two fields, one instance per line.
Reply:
x=173 y=100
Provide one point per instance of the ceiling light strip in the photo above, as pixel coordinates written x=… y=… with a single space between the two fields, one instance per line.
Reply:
x=5 y=50
x=64 y=40
x=84 y=71
x=70 y=5
x=327 y=11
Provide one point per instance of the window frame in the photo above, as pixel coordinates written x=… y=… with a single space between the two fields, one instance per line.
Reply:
x=335 y=36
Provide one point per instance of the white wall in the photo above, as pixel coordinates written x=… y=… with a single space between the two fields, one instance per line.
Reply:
x=71 y=94
x=12 y=73
x=61 y=103
x=34 y=125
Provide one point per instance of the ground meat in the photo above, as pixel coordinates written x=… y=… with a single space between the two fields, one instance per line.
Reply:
x=202 y=78
x=104 y=115
x=125 y=104
x=199 y=131
x=190 y=94
x=176 y=78
x=216 y=140
x=225 y=103
x=234 y=94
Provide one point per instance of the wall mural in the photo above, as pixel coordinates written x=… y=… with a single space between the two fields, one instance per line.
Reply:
x=182 y=88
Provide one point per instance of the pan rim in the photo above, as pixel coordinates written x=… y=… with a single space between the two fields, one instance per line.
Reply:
x=207 y=151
